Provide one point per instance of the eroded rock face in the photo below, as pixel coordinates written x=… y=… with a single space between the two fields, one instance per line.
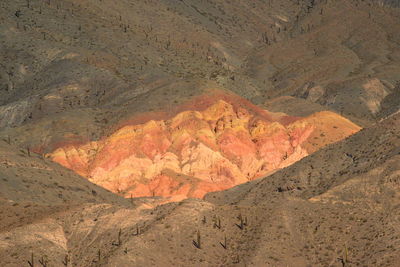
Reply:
x=199 y=151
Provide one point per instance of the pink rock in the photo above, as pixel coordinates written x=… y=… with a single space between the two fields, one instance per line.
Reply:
x=198 y=151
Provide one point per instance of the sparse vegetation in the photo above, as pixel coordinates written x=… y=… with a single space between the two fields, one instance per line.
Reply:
x=72 y=71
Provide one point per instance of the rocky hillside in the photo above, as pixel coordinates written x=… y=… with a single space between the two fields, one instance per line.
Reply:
x=77 y=68
x=162 y=100
x=338 y=205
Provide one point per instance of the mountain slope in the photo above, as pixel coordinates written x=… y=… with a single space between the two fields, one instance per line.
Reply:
x=309 y=213
x=78 y=76
x=93 y=65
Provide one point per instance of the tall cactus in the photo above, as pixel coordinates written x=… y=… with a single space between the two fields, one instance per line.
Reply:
x=197 y=242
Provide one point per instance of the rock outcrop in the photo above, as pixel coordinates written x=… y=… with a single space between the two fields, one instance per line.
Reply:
x=217 y=145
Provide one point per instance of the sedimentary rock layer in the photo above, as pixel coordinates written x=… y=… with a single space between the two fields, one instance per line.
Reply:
x=221 y=142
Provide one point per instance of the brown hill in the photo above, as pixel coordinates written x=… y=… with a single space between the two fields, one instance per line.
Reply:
x=77 y=68
x=340 y=202
x=75 y=72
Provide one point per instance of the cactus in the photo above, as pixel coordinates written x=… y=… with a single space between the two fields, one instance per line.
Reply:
x=43 y=261
x=137 y=230
x=31 y=262
x=242 y=222
x=346 y=254
x=224 y=244
x=217 y=223
x=119 y=242
x=344 y=260
x=65 y=261
x=98 y=256
x=197 y=242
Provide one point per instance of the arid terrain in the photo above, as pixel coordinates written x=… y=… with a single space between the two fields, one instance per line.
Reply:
x=199 y=133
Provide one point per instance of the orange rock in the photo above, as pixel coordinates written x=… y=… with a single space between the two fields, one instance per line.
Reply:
x=328 y=128
x=224 y=141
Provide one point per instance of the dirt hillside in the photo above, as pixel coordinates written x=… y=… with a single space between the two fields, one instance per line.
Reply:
x=115 y=149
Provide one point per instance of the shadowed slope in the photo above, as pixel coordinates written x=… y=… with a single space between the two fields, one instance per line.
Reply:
x=307 y=214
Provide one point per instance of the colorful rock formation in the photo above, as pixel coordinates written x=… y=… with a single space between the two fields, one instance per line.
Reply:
x=220 y=143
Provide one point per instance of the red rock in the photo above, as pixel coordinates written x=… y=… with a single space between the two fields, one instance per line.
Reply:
x=222 y=142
